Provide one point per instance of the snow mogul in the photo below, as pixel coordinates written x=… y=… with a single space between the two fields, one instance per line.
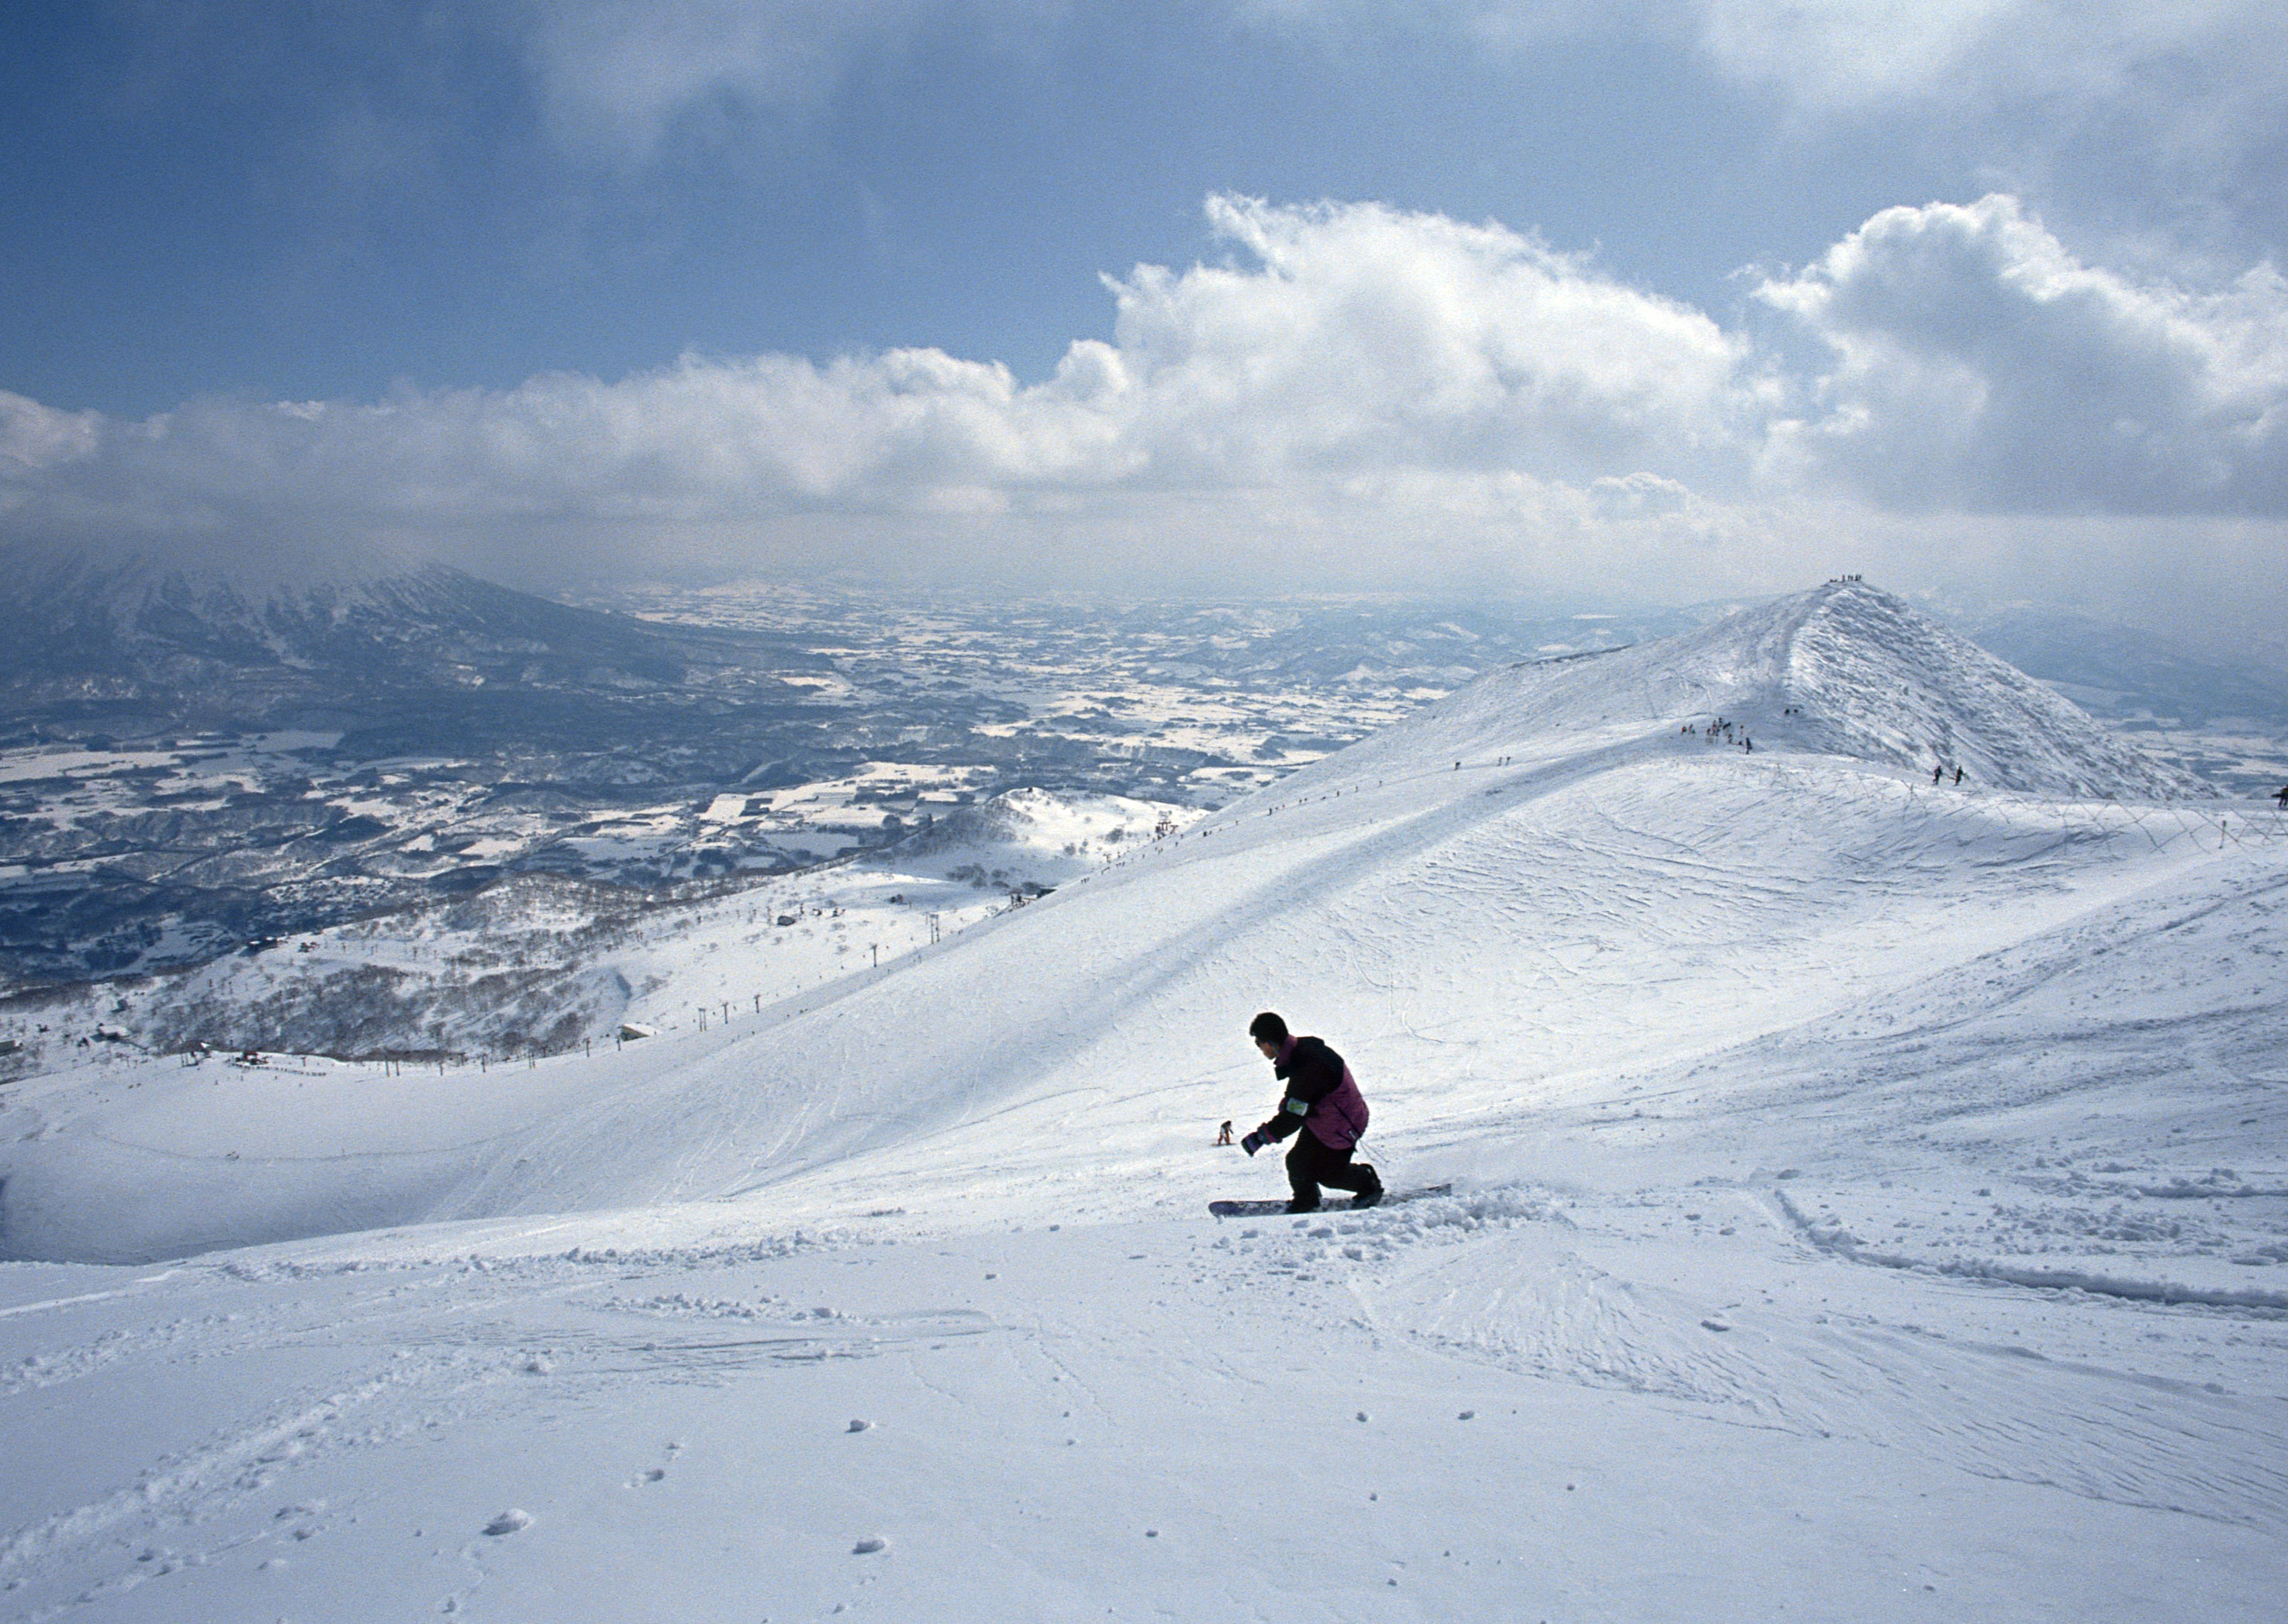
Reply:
x=1323 y=1108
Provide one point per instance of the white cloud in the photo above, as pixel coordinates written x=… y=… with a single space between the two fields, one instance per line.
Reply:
x=2176 y=94
x=1367 y=336
x=1979 y=365
x=1840 y=53
x=1837 y=55
x=1357 y=338
x=33 y=436
x=1362 y=396
x=2167 y=117
x=2204 y=76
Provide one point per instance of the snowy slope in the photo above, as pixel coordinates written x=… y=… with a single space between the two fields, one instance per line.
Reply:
x=1870 y=1202
x=1614 y=863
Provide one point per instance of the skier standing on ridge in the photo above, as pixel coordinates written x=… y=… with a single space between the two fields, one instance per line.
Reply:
x=1324 y=1103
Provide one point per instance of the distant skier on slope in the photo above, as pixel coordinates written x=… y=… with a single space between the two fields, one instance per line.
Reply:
x=1324 y=1102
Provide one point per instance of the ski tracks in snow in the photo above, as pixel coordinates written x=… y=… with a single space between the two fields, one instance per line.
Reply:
x=363 y=1359
x=1748 y=1330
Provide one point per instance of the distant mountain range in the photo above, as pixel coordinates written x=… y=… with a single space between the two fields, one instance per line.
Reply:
x=129 y=646
x=2124 y=672
x=132 y=647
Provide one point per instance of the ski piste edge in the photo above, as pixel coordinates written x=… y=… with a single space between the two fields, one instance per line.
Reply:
x=1278 y=1210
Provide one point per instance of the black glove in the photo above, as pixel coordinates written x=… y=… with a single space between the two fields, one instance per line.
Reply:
x=1254 y=1142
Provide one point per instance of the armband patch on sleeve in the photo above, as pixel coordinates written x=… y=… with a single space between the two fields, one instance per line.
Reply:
x=1300 y=1107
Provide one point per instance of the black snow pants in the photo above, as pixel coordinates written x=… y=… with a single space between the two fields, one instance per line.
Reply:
x=1311 y=1164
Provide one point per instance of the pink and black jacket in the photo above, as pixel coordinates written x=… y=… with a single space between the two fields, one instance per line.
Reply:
x=1321 y=1096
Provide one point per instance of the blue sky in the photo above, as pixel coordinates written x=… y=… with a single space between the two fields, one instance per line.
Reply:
x=1672 y=296
x=325 y=205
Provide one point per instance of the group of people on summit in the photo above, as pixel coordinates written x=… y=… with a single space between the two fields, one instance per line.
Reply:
x=1720 y=730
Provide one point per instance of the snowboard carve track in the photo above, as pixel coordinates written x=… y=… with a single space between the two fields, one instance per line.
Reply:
x=1278 y=1210
x=2167 y=1294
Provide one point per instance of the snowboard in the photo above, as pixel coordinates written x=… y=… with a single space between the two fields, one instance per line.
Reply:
x=1278 y=1210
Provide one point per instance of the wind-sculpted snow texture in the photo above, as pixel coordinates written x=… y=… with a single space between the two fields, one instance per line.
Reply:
x=1870 y=1202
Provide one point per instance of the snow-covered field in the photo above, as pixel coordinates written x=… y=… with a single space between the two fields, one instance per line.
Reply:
x=1870 y=1201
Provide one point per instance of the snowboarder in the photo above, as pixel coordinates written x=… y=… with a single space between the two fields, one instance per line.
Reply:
x=2284 y=797
x=1323 y=1103
x=1223 y=1134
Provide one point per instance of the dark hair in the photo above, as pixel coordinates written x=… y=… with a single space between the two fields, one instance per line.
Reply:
x=1267 y=1028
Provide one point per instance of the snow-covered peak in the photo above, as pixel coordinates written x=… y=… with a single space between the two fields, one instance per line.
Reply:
x=132 y=619
x=127 y=583
x=1845 y=669
x=137 y=594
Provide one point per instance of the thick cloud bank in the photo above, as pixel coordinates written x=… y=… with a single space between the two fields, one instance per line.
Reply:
x=1979 y=365
x=1358 y=394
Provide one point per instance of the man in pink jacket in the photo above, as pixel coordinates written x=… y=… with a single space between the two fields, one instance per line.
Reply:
x=1322 y=1101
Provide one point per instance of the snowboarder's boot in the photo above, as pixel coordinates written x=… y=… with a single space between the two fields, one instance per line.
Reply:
x=1299 y=1205
x=1369 y=1192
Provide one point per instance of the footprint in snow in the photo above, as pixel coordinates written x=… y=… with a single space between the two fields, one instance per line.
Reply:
x=509 y=1522
x=870 y=1545
x=859 y=1426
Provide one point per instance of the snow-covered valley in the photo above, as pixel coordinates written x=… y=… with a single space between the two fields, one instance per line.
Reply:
x=545 y=964
x=1868 y=1201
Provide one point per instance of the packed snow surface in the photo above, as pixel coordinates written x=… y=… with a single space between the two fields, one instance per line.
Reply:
x=1870 y=1201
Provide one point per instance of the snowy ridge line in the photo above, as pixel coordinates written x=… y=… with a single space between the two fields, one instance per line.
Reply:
x=2244 y=823
x=1847 y=671
x=1838 y=1241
